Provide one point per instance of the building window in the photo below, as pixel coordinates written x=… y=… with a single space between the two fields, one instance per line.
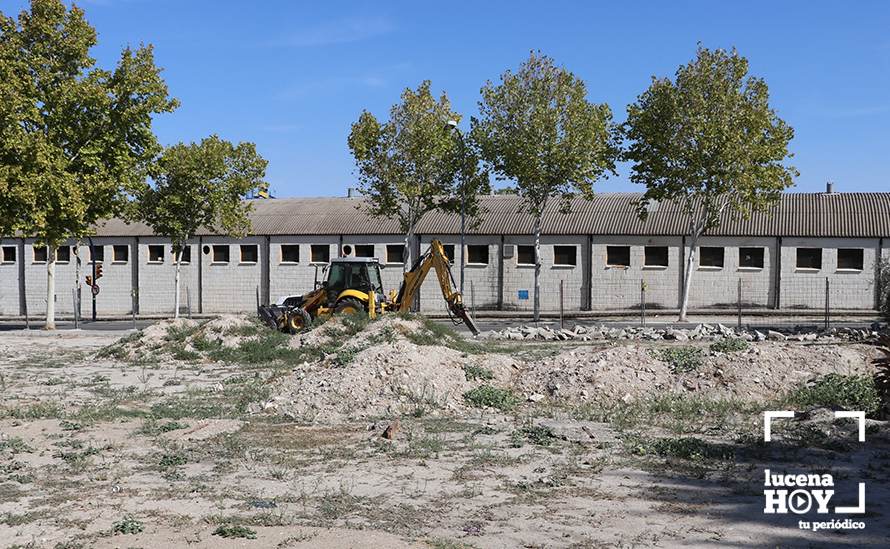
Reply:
x=477 y=254
x=63 y=254
x=320 y=253
x=751 y=257
x=525 y=255
x=710 y=256
x=40 y=254
x=250 y=253
x=449 y=252
x=395 y=253
x=656 y=256
x=618 y=256
x=565 y=255
x=849 y=259
x=809 y=258
x=290 y=253
x=97 y=254
x=8 y=254
x=186 y=254
x=221 y=253
x=120 y=253
x=364 y=250
x=155 y=254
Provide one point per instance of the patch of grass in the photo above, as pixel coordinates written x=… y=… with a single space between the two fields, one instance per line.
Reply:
x=15 y=446
x=728 y=345
x=127 y=525
x=486 y=395
x=690 y=448
x=681 y=359
x=47 y=410
x=474 y=372
x=854 y=392
x=180 y=334
x=173 y=460
x=234 y=531
x=540 y=435
x=116 y=350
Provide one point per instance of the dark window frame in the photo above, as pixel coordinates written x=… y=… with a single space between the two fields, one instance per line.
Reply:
x=289 y=251
x=319 y=253
x=246 y=251
x=565 y=255
x=525 y=254
x=650 y=257
x=476 y=253
x=156 y=253
x=364 y=250
x=395 y=254
x=809 y=258
x=220 y=253
x=120 y=253
x=853 y=259
x=712 y=257
x=9 y=251
x=618 y=256
x=186 y=255
x=752 y=257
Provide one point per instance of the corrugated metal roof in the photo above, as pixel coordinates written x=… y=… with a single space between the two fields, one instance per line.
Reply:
x=796 y=214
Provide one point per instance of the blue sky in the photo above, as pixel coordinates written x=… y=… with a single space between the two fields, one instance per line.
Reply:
x=292 y=76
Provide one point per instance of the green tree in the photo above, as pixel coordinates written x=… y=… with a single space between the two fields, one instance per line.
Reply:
x=538 y=128
x=412 y=165
x=201 y=185
x=710 y=143
x=75 y=140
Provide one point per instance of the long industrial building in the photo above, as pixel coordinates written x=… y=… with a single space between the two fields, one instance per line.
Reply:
x=599 y=257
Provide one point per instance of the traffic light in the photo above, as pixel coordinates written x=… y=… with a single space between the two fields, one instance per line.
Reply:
x=89 y=281
x=98 y=272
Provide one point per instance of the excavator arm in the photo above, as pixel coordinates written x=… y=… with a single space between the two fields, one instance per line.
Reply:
x=436 y=259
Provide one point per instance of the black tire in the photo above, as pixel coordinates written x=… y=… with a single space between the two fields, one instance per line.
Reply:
x=296 y=320
x=349 y=305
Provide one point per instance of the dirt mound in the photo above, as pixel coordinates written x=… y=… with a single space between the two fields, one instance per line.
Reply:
x=762 y=371
x=392 y=379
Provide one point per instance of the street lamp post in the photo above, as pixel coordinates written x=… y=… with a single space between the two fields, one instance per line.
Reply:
x=451 y=124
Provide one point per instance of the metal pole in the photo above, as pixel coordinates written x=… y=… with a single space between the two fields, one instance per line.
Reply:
x=93 y=257
x=74 y=293
x=561 y=304
x=642 y=303
x=827 y=307
x=473 y=300
x=188 y=300
x=740 y=304
x=133 y=306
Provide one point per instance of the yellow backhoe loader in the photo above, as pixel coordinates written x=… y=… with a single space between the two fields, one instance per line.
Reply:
x=354 y=284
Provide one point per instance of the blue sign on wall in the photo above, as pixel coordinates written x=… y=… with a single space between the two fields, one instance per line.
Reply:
x=523 y=294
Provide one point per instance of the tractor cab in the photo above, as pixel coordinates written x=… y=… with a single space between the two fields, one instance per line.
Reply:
x=353 y=273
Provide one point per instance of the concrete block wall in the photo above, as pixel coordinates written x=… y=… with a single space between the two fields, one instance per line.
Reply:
x=231 y=286
x=717 y=287
x=157 y=277
x=554 y=278
x=849 y=288
x=619 y=286
x=297 y=278
x=11 y=253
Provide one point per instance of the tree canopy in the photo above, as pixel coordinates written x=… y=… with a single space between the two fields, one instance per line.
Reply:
x=411 y=164
x=537 y=128
x=199 y=185
x=75 y=140
x=709 y=142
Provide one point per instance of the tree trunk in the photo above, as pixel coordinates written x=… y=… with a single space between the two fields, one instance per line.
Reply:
x=176 y=283
x=537 y=269
x=687 y=278
x=50 y=288
x=696 y=229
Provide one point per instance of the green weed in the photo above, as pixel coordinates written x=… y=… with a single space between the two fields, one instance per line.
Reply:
x=729 y=345
x=681 y=359
x=488 y=396
x=127 y=526
x=854 y=392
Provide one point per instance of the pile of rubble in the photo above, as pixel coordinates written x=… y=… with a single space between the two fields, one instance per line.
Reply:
x=702 y=332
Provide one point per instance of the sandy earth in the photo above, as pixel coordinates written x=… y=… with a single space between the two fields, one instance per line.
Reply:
x=303 y=463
